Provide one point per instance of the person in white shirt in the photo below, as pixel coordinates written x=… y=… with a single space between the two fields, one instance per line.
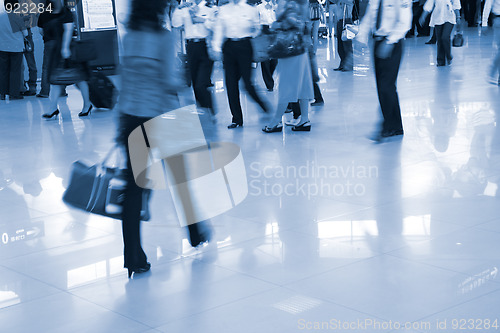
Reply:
x=445 y=14
x=493 y=6
x=267 y=15
x=388 y=21
x=197 y=19
x=236 y=23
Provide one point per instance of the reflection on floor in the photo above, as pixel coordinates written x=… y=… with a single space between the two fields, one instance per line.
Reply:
x=336 y=232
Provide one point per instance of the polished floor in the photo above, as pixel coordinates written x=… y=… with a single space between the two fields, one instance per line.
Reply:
x=336 y=232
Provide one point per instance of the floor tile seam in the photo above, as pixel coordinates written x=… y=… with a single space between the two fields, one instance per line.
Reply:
x=432 y=266
x=34 y=299
x=461 y=304
x=148 y=327
x=215 y=307
x=356 y=262
x=58 y=247
x=334 y=303
x=248 y=275
x=83 y=224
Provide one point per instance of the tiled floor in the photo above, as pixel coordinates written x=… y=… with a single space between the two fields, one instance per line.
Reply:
x=405 y=232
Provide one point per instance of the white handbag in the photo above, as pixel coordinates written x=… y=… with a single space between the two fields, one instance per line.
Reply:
x=349 y=31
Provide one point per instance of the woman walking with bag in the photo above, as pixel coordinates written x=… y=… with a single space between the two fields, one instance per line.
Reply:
x=445 y=14
x=295 y=78
x=148 y=90
x=493 y=6
x=344 y=47
x=58 y=27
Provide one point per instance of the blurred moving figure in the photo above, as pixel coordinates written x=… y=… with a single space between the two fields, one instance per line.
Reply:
x=316 y=14
x=294 y=72
x=58 y=31
x=237 y=22
x=344 y=48
x=267 y=15
x=148 y=90
x=493 y=6
x=445 y=14
x=388 y=21
x=29 y=55
x=197 y=19
x=11 y=54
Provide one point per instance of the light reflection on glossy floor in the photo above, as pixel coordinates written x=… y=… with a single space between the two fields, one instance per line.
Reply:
x=404 y=231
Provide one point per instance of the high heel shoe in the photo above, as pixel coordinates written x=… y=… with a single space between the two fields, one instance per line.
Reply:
x=84 y=114
x=304 y=127
x=275 y=128
x=139 y=270
x=50 y=115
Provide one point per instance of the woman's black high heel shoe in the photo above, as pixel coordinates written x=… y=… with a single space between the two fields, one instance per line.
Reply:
x=139 y=270
x=50 y=115
x=84 y=114
x=304 y=127
x=275 y=128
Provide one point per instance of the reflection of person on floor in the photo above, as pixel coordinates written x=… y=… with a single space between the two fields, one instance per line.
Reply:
x=493 y=6
x=471 y=179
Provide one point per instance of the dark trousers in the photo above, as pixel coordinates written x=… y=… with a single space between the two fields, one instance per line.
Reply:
x=443 y=38
x=134 y=255
x=30 y=61
x=386 y=74
x=344 y=48
x=200 y=67
x=48 y=51
x=238 y=64
x=268 y=68
x=469 y=9
x=10 y=73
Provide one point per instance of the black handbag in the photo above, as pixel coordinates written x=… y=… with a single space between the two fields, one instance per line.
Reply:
x=83 y=50
x=99 y=189
x=458 y=40
x=286 y=43
x=67 y=73
x=260 y=47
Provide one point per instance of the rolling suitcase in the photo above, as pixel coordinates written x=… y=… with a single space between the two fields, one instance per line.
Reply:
x=103 y=93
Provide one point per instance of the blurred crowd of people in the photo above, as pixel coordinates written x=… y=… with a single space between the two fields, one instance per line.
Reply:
x=226 y=31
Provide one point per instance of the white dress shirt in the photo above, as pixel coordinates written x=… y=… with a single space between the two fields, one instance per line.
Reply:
x=235 y=21
x=267 y=15
x=442 y=11
x=490 y=6
x=182 y=18
x=396 y=20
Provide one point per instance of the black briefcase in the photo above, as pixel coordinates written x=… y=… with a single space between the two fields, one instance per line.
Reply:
x=100 y=189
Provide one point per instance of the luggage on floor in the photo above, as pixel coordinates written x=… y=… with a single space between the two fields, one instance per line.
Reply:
x=103 y=93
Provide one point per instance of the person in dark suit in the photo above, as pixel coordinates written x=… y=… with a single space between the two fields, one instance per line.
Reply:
x=237 y=22
x=388 y=21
